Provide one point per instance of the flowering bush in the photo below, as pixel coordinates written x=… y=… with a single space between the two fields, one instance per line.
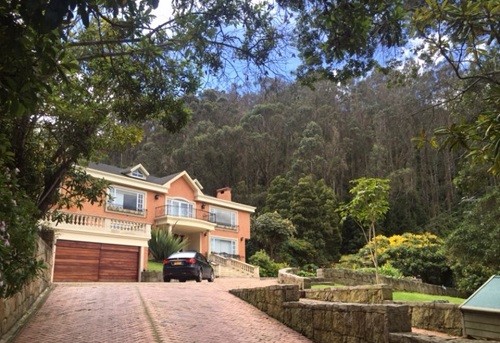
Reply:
x=412 y=255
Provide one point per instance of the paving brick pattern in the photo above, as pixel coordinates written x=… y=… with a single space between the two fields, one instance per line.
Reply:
x=154 y=313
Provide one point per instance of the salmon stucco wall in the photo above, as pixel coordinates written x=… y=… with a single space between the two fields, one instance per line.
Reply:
x=180 y=188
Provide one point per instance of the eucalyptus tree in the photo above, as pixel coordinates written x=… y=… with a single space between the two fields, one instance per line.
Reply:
x=343 y=39
x=268 y=152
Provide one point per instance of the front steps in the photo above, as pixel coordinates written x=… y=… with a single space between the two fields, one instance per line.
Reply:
x=230 y=267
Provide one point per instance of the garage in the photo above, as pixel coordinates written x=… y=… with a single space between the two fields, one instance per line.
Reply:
x=92 y=262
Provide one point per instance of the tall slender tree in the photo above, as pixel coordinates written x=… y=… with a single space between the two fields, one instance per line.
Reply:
x=368 y=205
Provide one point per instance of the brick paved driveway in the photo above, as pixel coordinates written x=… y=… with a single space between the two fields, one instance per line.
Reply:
x=153 y=312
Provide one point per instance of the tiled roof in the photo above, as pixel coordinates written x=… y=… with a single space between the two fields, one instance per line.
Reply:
x=125 y=171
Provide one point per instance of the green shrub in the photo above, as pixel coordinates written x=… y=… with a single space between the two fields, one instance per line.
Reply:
x=389 y=270
x=19 y=263
x=267 y=267
x=308 y=270
x=163 y=244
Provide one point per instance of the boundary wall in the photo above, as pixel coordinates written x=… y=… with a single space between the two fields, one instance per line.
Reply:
x=14 y=308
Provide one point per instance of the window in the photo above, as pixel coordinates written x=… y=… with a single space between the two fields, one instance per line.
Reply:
x=123 y=200
x=223 y=246
x=223 y=217
x=179 y=208
x=138 y=174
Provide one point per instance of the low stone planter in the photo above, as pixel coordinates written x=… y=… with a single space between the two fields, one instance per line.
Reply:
x=151 y=276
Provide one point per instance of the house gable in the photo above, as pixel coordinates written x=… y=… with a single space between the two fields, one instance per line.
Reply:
x=183 y=186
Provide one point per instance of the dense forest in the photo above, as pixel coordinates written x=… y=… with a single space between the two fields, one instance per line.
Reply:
x=331 y=133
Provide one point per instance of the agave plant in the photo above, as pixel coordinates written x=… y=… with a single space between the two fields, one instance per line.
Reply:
x=163 y=243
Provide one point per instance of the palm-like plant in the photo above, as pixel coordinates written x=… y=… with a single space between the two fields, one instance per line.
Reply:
x=163 y=243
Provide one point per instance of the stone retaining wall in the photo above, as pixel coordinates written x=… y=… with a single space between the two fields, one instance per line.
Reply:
x=446 y=318
x=353 y=278
x=287 y=276
x=13 y=308
x=328 y=322
x=376 y=294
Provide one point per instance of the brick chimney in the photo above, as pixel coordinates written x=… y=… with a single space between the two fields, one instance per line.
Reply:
x=224 y=193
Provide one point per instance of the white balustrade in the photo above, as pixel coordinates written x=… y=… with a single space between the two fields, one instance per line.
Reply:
x=85 y=222
x=237 y=264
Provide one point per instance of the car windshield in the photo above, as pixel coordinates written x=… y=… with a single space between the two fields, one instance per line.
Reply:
x=186 y=254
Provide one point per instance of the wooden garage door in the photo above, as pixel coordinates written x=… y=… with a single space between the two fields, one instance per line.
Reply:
x=87 y=262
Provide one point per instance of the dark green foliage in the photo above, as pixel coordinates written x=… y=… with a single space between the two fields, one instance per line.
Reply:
x=313 y=214
x=298 y=252
x=271 y=231
x=279 y=195
x=310 y=206
x=308 y=270
x=429 y=263
x=163 y=244
x=473 y=247
x=18 y=236
x=352 y=237
x=267 y=267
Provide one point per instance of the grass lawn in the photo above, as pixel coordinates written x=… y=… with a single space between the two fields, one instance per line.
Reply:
x=155 y=266
x=419 y=297
x=407 y=296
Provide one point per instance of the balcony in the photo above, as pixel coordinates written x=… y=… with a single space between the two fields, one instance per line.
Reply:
x=90 y=224
x=183 y=219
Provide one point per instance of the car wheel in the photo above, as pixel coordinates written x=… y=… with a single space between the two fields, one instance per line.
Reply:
x=212 y=277
x=200 y=276
x=182 y=280
x=166 y=279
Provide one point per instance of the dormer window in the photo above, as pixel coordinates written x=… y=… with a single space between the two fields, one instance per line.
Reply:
x=138 y=174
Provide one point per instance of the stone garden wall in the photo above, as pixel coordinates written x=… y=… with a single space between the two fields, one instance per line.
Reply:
x=353 y=278
x=13 y=308
x=376 y=294
x=287 y=276
x=440 y=317
x=325 y=321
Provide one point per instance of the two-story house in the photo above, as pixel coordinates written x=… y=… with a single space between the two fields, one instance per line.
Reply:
x=110 y=242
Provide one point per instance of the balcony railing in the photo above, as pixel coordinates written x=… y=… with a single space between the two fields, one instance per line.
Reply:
x=78 y=221
x=182 y=212
x=121 y=209
x=177 y=211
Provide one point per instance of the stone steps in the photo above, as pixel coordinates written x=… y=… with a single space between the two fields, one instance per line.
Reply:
x=227 y=271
